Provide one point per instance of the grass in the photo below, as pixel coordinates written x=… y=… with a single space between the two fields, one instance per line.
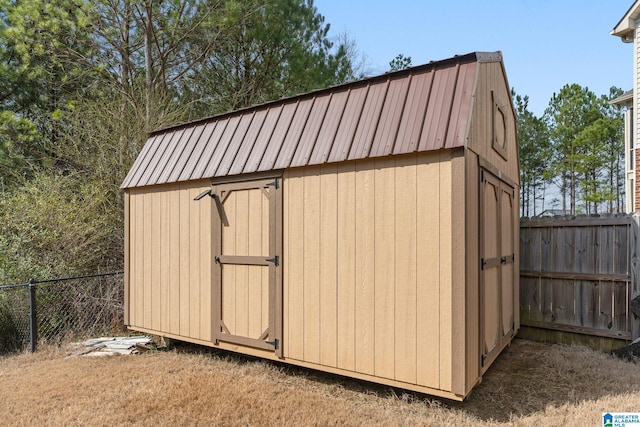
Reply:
x=530 y=384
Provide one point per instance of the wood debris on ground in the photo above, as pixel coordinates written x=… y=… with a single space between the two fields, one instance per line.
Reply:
x=110 y=346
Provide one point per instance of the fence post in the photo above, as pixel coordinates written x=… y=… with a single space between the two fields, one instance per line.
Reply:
x=635 y=277
x=33 y=317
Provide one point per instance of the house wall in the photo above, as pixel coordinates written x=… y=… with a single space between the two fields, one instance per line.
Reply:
x=168 y=269
x=374 y=270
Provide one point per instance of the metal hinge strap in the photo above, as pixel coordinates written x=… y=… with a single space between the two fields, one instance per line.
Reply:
x=274 y=260
x=274 y=343
x=275 y=184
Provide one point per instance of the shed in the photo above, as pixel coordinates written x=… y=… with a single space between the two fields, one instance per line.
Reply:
x=368 y=229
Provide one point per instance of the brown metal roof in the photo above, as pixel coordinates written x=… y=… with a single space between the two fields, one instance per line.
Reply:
x=419 y=109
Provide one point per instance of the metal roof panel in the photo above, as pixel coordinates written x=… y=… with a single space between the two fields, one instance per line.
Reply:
x=141 y=162
x=348 y=125
x=292 y=139
x=389 y=121
x=263 y=140
x=202 y=151
x=330 y=125
x=438 y=110
x=414 y=112
x=369 y=119
x=419 y=109
x=311 y=130
x=221 y=146
x=278 y=136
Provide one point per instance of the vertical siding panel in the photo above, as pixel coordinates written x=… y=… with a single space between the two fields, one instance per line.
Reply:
x=156 y=264
x=311 y=248
x=445 y=271
x=329 y=265
x=472 y=296
x=195 y=232
x=185 y=239
x=147 y=257
x=137 y=252
x=243 y=219
x=173 y=205
x=346 y=265
x=405 y=274
x=286 y=259
x=365 y=267
x=255 y=285
x=206 y=260
x=294 y=261
x=164 y=261
x=384 y=267
x=127 y=256
x=428 y=270
x=457 y=257
x=229 y=271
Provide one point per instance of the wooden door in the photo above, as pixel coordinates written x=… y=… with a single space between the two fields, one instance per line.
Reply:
x=496 y=263
x=247 y=292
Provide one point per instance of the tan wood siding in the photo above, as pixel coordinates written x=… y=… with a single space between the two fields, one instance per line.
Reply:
x=127 y=250
x=245 y=288
x=459 y=276
x=371 y=250
x=491 y=86
x=472 y=305
x=328 y=265
x=169 y=261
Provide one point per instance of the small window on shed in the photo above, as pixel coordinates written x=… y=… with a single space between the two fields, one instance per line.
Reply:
x=499 y=128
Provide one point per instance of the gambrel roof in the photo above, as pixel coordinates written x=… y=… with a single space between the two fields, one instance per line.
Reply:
x=419 y=109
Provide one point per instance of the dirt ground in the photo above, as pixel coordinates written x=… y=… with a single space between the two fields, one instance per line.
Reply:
x=530 y=384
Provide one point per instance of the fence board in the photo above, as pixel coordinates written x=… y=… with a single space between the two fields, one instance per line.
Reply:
x=606 y=258
x=579 y=275
x=562 y=298
x=621 y=319
x=546 y=250
x=546 y=294
x=588 y=315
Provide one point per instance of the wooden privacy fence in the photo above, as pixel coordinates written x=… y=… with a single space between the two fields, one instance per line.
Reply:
x=580 y=275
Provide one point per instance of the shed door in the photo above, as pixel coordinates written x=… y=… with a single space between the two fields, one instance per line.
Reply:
x=247 y=256
x=497 y=263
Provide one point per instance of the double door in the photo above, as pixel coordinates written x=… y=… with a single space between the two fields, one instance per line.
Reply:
x=497 y=263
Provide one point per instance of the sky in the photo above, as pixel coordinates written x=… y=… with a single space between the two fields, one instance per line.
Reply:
x=545 y=44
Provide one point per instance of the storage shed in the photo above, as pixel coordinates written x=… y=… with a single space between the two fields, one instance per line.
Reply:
x=368 y=229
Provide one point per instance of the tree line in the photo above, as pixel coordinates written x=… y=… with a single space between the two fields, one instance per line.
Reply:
x=571 y=157
x=84 y=81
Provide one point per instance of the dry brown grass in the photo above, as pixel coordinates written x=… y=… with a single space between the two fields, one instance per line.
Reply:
x=530 y=384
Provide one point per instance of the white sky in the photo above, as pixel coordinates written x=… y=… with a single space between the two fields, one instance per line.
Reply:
x=545 y=43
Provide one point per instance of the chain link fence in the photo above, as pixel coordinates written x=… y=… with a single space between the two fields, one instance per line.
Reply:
x=60 y=310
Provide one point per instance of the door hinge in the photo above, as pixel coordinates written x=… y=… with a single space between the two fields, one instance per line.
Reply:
x=274 y=260
x=275 y=183
x=483 y=263
x=274 y=343
x=483 y=358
